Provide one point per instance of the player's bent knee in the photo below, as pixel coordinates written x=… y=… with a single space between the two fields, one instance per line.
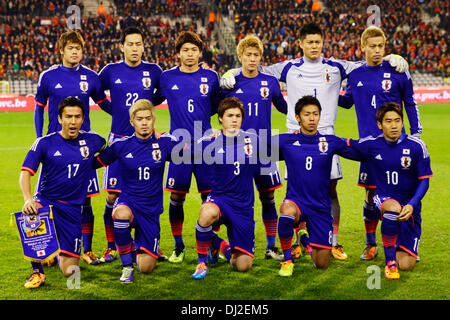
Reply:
x=241 y=262
x=123 y=213
x=391 y=205
x=321 y=258
x=146 y=263
x=68 y=265
x=406 y=262
x=289 y=209
x=209 y=214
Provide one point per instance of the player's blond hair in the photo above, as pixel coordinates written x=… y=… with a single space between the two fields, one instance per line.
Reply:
x=141 y=105
x=372 y=32
x=250 y=41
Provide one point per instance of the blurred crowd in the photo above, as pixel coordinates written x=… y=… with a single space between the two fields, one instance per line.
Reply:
x=27 y=47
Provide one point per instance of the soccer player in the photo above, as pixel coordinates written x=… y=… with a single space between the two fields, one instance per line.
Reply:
x=193 y=95
x=127 y=81
x=141 y=160
x=402 y=164
x=369 y=87
x=320 y=77
x=65 y=157
x=71 y=78
x=257 y=91
x=233 y=162
x=308 y=155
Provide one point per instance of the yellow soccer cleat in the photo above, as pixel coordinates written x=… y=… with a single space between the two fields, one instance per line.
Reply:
x=296 y=251
x=108 y=255
x=391 y=271
x=35 y=280
x=90 y=258
x=287 y=268
x=369 y=253
x=338 y=253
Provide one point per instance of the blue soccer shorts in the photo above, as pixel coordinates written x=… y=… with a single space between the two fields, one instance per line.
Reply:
x=239 y=222
x=319 y=225
x=67 y=218
x=268 y=177
x=366 y=178
x=410 y=230
x=179 y=177
x=145 y=223
x=111 y=179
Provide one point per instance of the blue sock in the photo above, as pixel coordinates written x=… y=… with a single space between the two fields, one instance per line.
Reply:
x=204 y=238
x=270 y=220
x=109 y=225
x=37 y=266
x=390 y=228
x=371 y=219
x=285 y=233
x=87 y=227
x=124 y=241
x=176 y=219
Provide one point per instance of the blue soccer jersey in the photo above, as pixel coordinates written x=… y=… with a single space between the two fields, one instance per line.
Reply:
x=59 y=82
x=398 y=165
x=192 y=98
x=257 y=94
x=66 y=165
x=368 y=88
x=126 y=85
x=308 y=161
x=232 y=162
x=141 y=167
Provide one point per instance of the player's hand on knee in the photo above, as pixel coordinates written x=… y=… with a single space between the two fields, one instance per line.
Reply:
x=406 y=213
x=228 y=79
x=30 y=207
x=398 y=62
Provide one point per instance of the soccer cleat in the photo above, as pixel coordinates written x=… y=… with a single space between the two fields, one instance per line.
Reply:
x=90 y=258
x=50 y=263
x=35 y=280
x=127 y=275
x=287 y=268
x=161 y=255
x=338 y=253
x=369 y=253
x=177 y=255
x=201 y=271
x=391 y=271
x=108 y=255
x=296 y=251
x=213 y=255
x=274 y=253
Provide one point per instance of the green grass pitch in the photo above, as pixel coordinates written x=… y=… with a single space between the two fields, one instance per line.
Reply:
x=343 y=280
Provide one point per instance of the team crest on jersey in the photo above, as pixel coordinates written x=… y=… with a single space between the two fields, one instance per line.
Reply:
x=405 y=161
x=171 y=182
x=248 y=149
x=386 y=84
x=363 y=177
x=146 y=82
x=84 y=86
x=264 y=92
x=327 y=76
x=112 y=182
x=84 y=151
x=204 y=89
x=156 y=154
x=323 y=146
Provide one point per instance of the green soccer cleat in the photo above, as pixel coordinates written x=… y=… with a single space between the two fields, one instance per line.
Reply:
x=177 y=255
x=287 y=268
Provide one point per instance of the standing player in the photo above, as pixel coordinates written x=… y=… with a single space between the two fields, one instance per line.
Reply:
x=127 y=81
x=234 y=163
x=403 y=170
x=65 y=156
x=141 y=160
x=309 y=156
x=257 y=91
x=369 y=87
x=71 y=78
x=320 y=77
x=192 y=94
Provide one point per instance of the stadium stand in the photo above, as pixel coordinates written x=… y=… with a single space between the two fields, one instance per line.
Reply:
x=417 y=30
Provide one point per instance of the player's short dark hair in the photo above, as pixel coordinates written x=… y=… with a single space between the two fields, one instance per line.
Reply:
x=310 y=28
x=307 y=100
x=385 y=108
x=130 y=30
x=230 y=103
x=70 y=102
x=73 y=36
x=188 y=37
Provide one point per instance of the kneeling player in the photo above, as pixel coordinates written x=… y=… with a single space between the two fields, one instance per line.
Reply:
x=63 y=182
x=141 y=159
x=235 y=162
x=403 y=170
x=309 y=157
